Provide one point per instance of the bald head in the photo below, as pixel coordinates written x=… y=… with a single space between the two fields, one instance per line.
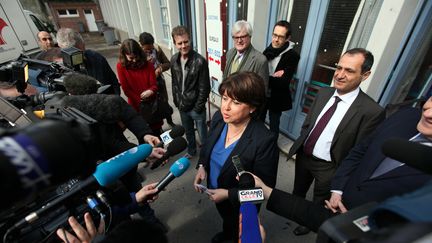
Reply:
x=45 y=40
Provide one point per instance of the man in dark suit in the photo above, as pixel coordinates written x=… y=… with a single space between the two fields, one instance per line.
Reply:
x=367 y=175
x=339 y=118
x=357 y=176
x=282 y=62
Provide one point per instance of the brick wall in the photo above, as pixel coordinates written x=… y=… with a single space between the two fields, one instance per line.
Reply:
x=74 y=22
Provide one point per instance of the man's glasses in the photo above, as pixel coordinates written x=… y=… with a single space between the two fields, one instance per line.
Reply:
x=45 y=39
x=279 y=37
x=237 y=38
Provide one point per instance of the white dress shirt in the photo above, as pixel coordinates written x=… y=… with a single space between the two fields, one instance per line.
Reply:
x=324 y=142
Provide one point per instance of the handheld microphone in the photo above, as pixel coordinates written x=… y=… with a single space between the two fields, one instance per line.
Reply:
x=249 y=225
x=176 y=170
x=175 y=147
x=106 y=173
x=168 y=136
x=413 y=154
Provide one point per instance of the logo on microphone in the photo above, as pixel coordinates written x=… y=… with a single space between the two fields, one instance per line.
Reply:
x=255 y=195
x=166 y=138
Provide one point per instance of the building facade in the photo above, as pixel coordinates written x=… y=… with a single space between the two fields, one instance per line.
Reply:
x=397 y=32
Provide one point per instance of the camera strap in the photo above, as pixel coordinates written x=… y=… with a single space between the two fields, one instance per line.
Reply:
x=13 y=115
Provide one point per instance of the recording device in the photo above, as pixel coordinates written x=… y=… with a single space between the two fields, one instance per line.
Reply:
x=413 y=154
x=175 y=147
x=79 y=193
x=248 y=195
x=168 y=136
x=43 y=154
x=176 y=170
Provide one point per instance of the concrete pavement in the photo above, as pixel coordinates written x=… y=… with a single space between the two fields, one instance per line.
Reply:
x=191 y=216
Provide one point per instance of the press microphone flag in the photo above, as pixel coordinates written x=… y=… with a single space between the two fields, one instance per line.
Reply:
x=249 y=225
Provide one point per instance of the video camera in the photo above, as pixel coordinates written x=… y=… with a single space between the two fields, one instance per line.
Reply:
x=34 y=160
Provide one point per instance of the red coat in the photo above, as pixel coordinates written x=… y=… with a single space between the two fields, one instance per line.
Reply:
x=136 y=81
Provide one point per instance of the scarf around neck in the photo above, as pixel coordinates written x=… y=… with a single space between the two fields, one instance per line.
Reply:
x=270 y=52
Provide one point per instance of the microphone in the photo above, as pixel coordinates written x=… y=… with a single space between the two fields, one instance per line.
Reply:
x=175 y=147
x=413 y=154
x=168 y=136
x=177 y=169
x=249 y=225
x=106 y=173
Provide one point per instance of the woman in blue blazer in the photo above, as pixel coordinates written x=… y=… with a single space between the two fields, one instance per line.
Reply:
x=235 y=130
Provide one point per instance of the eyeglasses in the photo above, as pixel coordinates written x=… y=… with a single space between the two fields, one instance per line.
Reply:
x=237 y=38
x=45 y=39
x=279 y=37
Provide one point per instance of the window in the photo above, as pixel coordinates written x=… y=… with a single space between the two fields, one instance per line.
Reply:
x=63 y=13
x=165 y=19
x=87 y=11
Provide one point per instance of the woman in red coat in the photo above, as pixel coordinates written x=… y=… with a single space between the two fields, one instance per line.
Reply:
x=137 y=78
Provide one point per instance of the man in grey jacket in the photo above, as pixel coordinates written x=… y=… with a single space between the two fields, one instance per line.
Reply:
x=244 y=57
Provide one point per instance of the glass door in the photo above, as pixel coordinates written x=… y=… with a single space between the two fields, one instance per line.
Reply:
x=327 y=28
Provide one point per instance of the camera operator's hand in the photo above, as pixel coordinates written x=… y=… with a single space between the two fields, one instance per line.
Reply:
x=81 y=234
x=144 y=95
x=147 y=194
x=152 y=140
x=259 y=183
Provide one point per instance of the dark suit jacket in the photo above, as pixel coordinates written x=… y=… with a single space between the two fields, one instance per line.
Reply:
x=252 y=61
x=257 y=149
x=298 y=209
x=353 y=175
x=280 y=94
x=360 y=120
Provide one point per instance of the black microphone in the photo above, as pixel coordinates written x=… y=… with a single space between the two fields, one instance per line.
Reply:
x=413 y=154
x=168 y=136
x=177 y=169
x=175 y=147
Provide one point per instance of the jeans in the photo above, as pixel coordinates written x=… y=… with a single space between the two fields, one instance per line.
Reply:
x=188 y=119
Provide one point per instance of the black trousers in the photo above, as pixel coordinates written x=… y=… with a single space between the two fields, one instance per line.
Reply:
x=309 y=169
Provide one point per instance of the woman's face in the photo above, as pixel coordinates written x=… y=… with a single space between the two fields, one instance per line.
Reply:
x=234 y=111
x=131 y=57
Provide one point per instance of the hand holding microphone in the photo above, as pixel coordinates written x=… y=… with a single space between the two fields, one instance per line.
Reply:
x=175 y=147
x=168 y=136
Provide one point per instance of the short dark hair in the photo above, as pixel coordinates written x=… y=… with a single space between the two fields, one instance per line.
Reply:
x=368 y=58
x=80 y=84
x=179 y=30
x=246 y=87
x=146 y=39
x=128 y=47
x=286 y=25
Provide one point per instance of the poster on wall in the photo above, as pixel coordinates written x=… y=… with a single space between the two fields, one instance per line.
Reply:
x=214 y=37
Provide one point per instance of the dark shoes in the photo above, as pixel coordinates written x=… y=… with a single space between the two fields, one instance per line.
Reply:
x=220 y=237
x=301 y=230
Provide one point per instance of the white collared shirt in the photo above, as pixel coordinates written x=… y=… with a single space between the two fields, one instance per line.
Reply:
x=275 y=61
x=324 y=142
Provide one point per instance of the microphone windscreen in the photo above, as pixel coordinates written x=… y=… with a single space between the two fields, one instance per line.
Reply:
x=179 y=167
x=176 y=146
x=246 y=181
x=413 y=154
x=111 y=170
x=249 y=227
x=177 y=131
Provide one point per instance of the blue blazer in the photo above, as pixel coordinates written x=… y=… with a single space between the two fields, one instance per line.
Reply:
x=257 y=149
x=353 y=175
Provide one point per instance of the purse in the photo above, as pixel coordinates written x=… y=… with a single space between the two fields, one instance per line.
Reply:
x=155 y=110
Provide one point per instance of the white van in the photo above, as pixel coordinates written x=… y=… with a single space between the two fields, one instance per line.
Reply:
x=18 y=31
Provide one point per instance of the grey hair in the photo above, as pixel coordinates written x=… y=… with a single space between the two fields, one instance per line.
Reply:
x=67 y=37
x=240 y=25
